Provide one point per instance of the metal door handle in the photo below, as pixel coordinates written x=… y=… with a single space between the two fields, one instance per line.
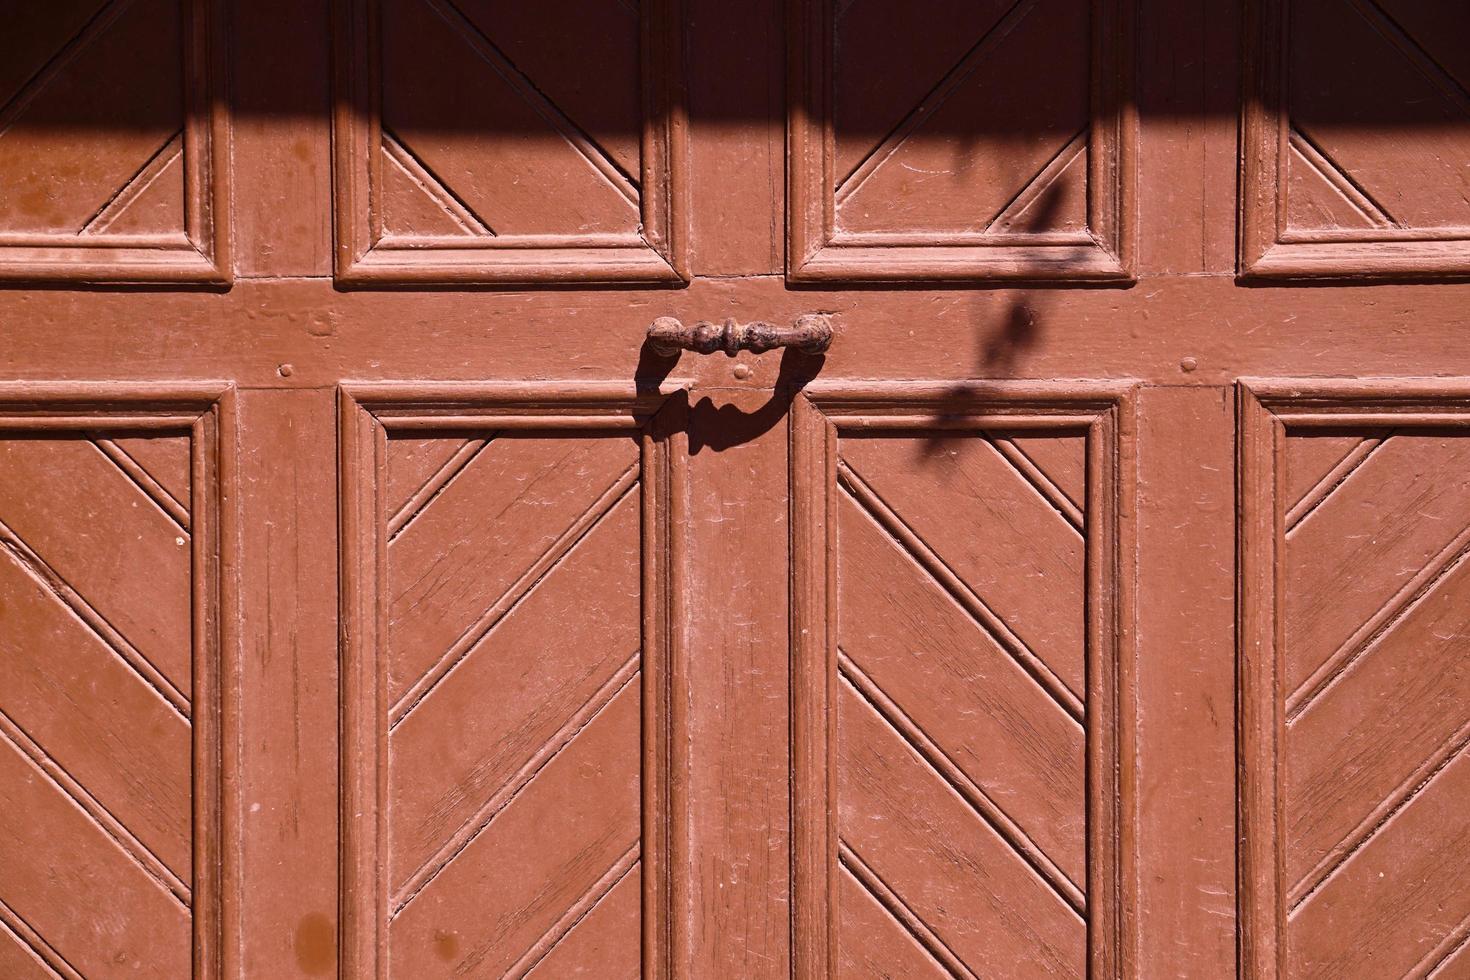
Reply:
x=811 y=334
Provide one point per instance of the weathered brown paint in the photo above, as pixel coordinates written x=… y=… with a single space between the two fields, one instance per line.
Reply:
x=385 y=593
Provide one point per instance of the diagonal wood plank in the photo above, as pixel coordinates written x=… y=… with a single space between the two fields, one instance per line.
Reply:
x=1345 y=761
x=485 y=531
x=415 y=468
x=585 y=523
x=90 y=713
x=165 y=457
x=177 y=510
x=890 y=941
x=1318 y=187
x=553 y=942
x=605 y=941
x=1370 y=70
x=134 y=209
x=1378 y=530
x=55 y=181
x=535 y=859
x=428 y=484
x=515 y=691
x=1055 y=199
x=37 y=35
x=59 y=589
x=963 y=690
x=956 y=874
x=1398 y=896
x=416 y=201
x=593 y=39
x=1061 y=456
x=872 y=106
x=1317 y=464
x=90 y=524
x=955 y=163
x=985 y=576
x=551 y=179
x=58 y=861
x=26 y=954
x=1044 y=485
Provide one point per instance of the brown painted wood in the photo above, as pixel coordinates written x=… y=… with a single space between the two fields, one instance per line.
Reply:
x=377 y=602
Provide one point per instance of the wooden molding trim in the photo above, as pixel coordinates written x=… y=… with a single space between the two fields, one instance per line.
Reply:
x=819 y=417
x=1265 y=410
x=367 y=413
x=205 y=413
x=658 y=253
x=1266 y=249
x=201 y=255
x=817 y=252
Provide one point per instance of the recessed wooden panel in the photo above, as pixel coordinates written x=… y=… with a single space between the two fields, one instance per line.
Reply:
x=1357 y=151
x=110 y=674
x=503 y=762
x=112 y=133
x=1355 y=719
x=956 y=140
x=957 y=688
x=490 y=142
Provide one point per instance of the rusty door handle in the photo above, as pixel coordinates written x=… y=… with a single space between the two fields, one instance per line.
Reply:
x=811 y=334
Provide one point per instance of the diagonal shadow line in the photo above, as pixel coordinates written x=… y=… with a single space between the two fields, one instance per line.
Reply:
x=1356 y=194
x=519 y=590
x=1454 y=941
x=1376 y=626
x=436 y=484
x=932 y=100
x=578 y=911
x=579 y=139
x=895 y=906
x=1050 y=494
x=480 y=821
x=134 y=186
x=105 y=16
x=949 y=771
x=1383 y=815
x=135 y=474
x=1038 y=182
x=93 y=621
x=1333 y=481
x=26 y=935
x=1422 y=60
x=909 y=542
x=105 y=820
x=433 y=185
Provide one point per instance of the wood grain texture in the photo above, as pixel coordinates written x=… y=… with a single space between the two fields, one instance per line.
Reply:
x=577 y=183
x=118 y=777
x=1352 y=748
x=528 y=757
x=941 y=773
x=1183 y=815
x=288 y=683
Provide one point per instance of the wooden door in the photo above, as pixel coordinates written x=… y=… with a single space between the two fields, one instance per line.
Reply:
x=377 y=599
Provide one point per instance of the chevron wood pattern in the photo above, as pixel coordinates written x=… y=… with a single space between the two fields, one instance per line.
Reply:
x=109 y=703
x=108 y=134
x=956 y=733
x=1364 y=697
x=507 y=704
x=485 y=146
x=1330 y=189
x=925 y=138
